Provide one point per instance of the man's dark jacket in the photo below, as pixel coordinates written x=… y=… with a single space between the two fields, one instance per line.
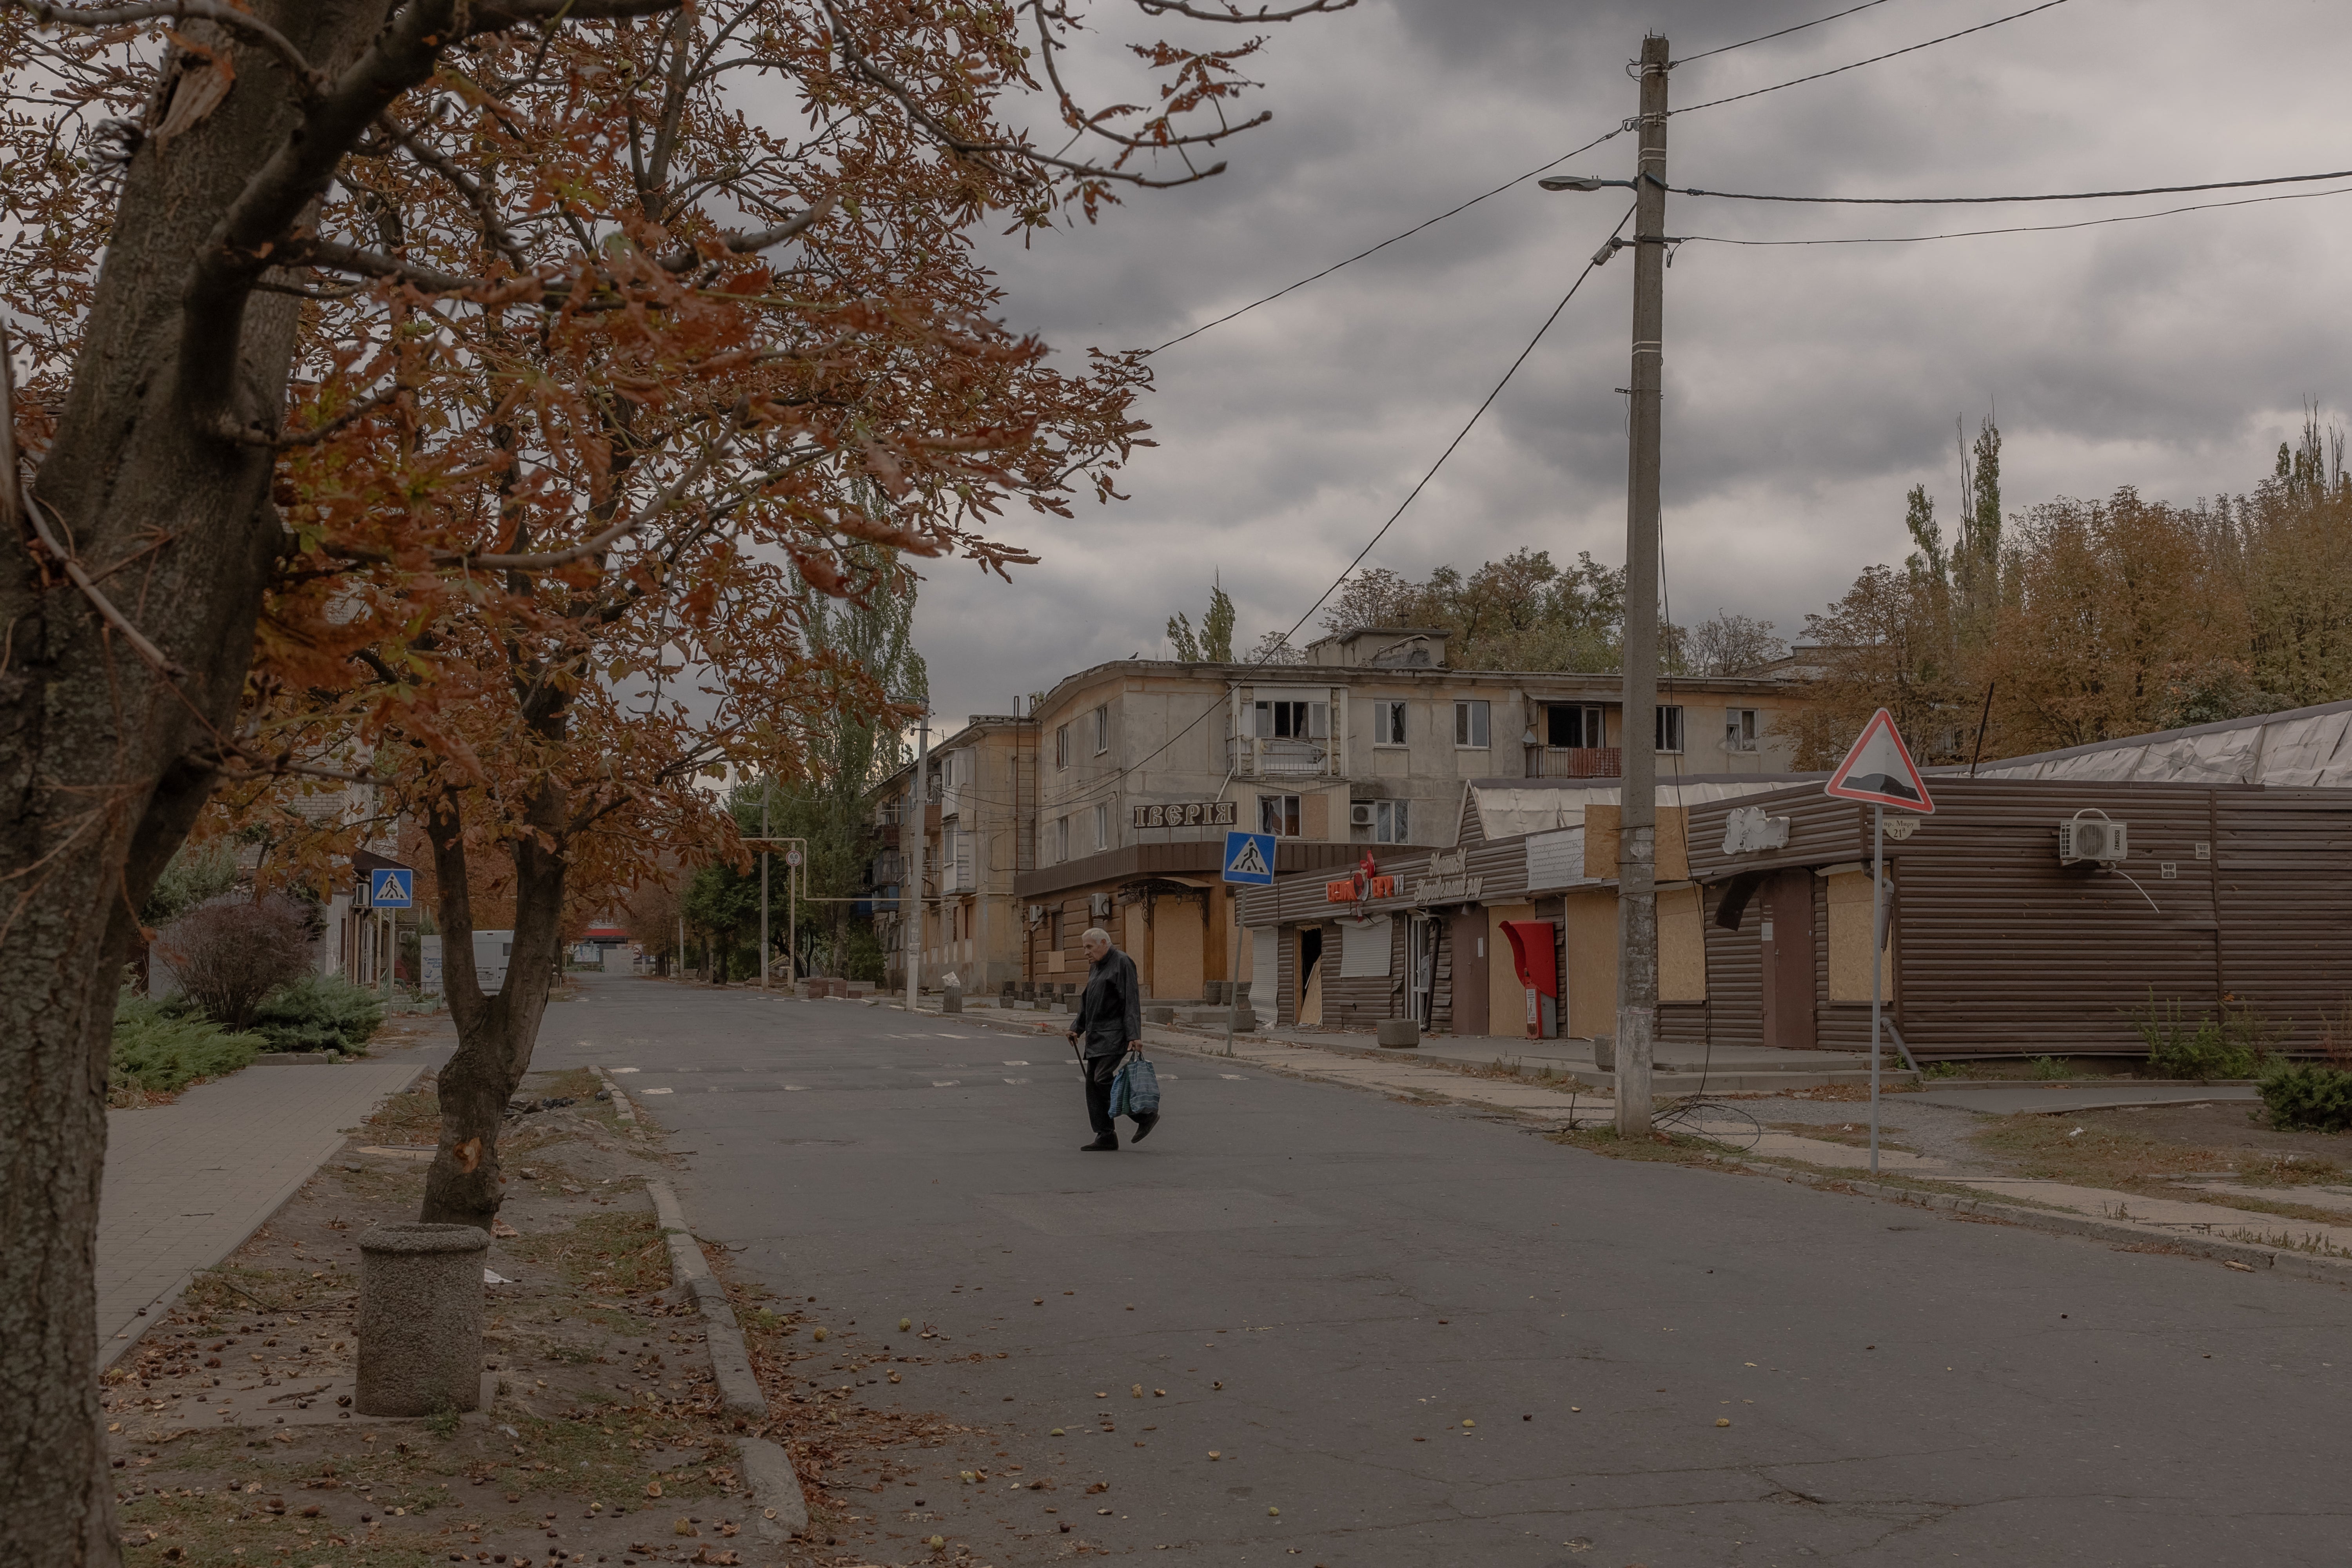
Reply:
x=1111 y=1012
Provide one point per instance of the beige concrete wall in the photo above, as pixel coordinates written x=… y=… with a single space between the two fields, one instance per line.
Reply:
x=1591 y=919
x=1506 y=1001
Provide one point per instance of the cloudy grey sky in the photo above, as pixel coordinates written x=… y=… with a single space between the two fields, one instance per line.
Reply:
x=1807 y=388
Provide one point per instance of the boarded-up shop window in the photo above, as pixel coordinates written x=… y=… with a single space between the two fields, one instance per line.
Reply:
x=1364 y=949
x=1850 y=914
x=1681 y=946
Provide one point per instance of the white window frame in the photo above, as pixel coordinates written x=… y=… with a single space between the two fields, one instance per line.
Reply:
x=1280 y=815
x=1667 y=719
x=1102 y=826
x=1061 y=747
x=1589 y=724
x=1102 y=729
x=1305 y=720
x=1472 y=725
x=1742 y=729
x=1061 y=839
x=1391 y=820
x=1388 y=721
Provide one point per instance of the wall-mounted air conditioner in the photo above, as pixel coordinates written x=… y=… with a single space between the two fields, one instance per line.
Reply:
x=2082 y=838
x=1099 y=906
x=1360 y=814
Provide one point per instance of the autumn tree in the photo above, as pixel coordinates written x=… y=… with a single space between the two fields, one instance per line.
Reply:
x=463 y=390
x=1213 y=642
x=1523 y=611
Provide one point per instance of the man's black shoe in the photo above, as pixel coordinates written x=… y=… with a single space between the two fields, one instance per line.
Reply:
x=1101 y=1146
x=1143 y=1126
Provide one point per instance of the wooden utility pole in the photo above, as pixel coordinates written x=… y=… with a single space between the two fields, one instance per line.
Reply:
x=1637 y=838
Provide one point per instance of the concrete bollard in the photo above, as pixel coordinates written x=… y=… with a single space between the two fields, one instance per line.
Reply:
x=420 y=1318
x=1400 y=1033
x=1604 y=1052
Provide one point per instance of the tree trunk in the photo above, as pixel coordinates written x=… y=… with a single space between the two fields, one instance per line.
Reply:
x=105 y=763
x=465 y=1185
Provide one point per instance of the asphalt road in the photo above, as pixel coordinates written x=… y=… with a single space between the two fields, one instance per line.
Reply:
x=1366 y=1278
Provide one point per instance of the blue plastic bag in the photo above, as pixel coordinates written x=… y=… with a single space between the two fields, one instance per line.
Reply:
x=1135 y=1089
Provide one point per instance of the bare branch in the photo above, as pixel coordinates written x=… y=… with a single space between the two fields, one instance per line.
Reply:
x=228 y=18
x=501 y=239
x=1236 y=13
x=349 y=417
x=88 y=586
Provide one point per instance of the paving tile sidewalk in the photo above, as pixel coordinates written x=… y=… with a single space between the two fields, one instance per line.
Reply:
x=187 y=1182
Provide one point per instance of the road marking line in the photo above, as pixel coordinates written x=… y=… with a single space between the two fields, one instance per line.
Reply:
x=1016 y=1064
x=625 y=1069
x=1017 y=1080
x=1235 y=1076
x=656 y=1091
x=946 y=1083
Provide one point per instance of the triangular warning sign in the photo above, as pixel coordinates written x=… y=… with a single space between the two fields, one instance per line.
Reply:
x=1880 y=770
x=1248 y=861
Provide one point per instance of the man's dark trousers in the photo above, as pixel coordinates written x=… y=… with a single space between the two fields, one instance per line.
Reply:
x=1099 y=1072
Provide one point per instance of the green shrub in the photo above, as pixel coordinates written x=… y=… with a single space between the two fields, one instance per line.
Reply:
x=2309 y=1094
x=2239 y=1044
x=2049 y=1068
x=160 y=1049
x=318 y=1012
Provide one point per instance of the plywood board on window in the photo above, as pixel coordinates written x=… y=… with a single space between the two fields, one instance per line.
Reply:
x=1849 y=932
x=1681 y=946
x=1674 y=842
x=1176 y=943
x=1590 y=972
x=1314 y=817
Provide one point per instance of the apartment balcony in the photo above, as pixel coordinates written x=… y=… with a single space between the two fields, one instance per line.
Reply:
x=1576 y=762
x=1258 y=757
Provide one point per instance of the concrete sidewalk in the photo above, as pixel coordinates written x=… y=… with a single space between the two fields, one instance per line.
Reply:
x=187 y=1182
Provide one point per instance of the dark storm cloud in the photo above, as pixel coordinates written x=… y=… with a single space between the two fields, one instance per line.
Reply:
x=1808 y=387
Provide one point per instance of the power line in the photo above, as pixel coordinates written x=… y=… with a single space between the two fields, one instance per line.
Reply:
x=1891 y=54
x=1108 y=785
x=1999 y=201
x=2023 y=229
x=1408 y=234
x=1768 y=37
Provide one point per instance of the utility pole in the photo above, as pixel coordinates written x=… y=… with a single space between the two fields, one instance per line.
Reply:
x=1637 y=821
x=911 y=901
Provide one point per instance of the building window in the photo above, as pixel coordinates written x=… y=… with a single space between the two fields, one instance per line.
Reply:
x=1102 y=826
x=1292 y=720
x=1470 y=724
x=1061 y=839
x=1102 y=730
x=1739 y=728
x=1388 y=723
x=1061 y=747
x=1278 y=813
x=1670 y=727
x=1573 y=727
x=1388 y=822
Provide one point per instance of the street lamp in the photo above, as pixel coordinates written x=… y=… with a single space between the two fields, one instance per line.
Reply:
x=1580 y=182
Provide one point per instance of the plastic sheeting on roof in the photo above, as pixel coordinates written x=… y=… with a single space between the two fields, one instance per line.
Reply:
x=1504 y=812
x=2302 y=748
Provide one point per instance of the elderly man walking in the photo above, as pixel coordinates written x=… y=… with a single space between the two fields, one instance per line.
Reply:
x=1110 y=1024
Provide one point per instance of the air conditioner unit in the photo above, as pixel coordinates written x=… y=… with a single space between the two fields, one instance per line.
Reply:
x=1359 y=814
x=1099 y=906
x=2085 y=838
x=1036 y=914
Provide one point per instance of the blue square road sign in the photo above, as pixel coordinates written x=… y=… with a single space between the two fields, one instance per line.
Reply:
x=1249 y=858
x=389 y=888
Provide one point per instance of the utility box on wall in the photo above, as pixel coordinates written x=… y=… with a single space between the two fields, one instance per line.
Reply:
x=1535 y=955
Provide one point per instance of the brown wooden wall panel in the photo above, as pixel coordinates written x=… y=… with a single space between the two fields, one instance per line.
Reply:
x=2282 y=875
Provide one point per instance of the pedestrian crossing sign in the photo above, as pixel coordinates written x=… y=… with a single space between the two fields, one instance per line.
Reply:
x=1249 y=858
x=389 y=888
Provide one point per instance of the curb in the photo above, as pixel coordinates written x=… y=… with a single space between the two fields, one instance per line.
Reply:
x=2246 y=1254
x=768 y=1474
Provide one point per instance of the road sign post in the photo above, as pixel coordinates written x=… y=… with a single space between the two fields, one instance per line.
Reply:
x=1878 y=771
x=1249 y=863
